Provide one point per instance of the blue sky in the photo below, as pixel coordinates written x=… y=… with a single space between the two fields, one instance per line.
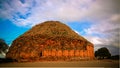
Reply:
x=9 y=31
x=96 y=20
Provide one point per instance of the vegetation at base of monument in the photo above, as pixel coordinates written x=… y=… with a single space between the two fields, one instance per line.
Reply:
x=115 y=57
x=103 y=53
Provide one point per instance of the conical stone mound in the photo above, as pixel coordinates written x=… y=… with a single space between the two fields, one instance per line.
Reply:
x=50 y=40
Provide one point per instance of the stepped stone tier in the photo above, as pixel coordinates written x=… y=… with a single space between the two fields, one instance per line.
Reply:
x=50 y=40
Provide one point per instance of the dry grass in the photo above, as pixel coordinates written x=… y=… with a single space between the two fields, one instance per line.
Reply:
x=93 y=63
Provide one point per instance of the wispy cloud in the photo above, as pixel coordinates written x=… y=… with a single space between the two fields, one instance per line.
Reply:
x=31 y=12
x=107 y=31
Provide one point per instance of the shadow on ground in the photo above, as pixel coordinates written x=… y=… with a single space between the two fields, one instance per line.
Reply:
x=7 y=60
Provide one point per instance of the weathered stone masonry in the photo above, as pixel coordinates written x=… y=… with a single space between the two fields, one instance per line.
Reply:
x=88 y=53
x=51 y=40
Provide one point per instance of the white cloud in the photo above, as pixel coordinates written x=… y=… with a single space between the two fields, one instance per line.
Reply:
x=115 y=18
x=77 y=32
x=62 y=10
x=107 y=31
x=94 y=40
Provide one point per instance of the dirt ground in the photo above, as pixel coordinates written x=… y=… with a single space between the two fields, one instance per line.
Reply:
x=73 y=64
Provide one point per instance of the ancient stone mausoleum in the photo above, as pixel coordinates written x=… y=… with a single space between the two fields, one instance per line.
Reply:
x=50 y=40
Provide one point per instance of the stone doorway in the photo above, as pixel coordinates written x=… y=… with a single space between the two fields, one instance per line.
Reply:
x=40 y=54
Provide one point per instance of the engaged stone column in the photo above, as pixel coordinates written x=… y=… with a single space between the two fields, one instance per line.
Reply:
x=81 y=53
x=88 y=51
x=65 y=53
x=53 y=52
x=92 y=51
x=59 y=53
x=71 y=53
x=49 y=53
x=85 y=53
x=77 y=53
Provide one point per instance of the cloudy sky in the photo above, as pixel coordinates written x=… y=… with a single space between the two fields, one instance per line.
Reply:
x=96 y=20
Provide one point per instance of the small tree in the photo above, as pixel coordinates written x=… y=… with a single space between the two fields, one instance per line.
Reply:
x=3 y=47
x=102 y=53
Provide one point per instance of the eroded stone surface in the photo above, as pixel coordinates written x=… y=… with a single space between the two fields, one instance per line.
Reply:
x=50 y=40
